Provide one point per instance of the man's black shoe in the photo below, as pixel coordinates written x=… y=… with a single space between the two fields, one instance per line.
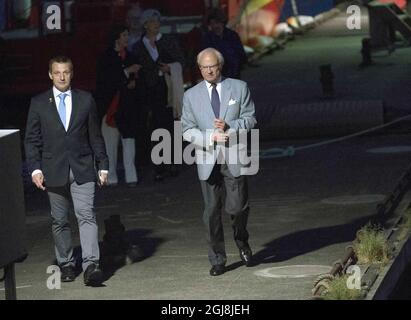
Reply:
x=93 y=276
x=217 y=270
x=246 y=256
x=67 y=274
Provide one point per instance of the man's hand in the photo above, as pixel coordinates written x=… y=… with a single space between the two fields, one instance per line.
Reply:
x=133 y=68
x=131 y=85
x=165 y=68
x=103 y=178
x=38 y=180
x=220 y=124
x=219 y=136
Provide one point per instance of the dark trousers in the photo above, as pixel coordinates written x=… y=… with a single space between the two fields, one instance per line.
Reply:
x=159 y=116
x=223 y=188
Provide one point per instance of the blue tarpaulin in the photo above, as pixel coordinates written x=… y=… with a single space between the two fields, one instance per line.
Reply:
x=306 y=8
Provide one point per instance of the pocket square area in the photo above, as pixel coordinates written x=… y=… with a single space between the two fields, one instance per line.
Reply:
x=232 y=101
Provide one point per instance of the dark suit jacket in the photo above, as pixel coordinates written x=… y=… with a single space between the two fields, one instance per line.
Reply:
x=232 y=50
x=53 y=150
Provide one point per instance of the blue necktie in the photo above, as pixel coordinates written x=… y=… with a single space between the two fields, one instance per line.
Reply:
x=215 y=100
x=62 y=108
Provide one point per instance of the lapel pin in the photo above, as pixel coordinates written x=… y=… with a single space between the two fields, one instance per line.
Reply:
x=50 y=100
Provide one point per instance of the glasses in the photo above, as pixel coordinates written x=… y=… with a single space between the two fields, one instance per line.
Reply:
x=212 y=68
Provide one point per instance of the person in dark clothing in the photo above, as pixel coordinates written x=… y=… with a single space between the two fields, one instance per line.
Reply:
x=156 y=53
x=118 y=95
x=227 y=42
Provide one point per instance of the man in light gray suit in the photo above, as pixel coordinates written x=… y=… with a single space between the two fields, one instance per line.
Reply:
x=214 y=111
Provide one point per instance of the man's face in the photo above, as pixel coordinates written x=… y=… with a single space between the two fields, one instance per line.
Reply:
x=217 y=27
x=209 y=67
x=61 y=75
x=133 y=21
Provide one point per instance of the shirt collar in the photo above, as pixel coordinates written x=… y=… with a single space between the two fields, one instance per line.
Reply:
x=158 y=37
x=56 y=92
x=209 y=84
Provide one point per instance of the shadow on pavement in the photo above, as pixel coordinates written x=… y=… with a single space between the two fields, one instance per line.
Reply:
x=139 y=246
x=234 y=266
x=302 y=242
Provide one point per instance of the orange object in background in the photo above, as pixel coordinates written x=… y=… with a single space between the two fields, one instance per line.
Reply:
x=257 y=18
x=400 y=3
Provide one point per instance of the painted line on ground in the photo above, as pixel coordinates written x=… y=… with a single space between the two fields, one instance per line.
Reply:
x=19 y=287
x=169 y=220
x=293 y=271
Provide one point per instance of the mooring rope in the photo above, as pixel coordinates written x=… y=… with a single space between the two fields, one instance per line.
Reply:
x=291 y=150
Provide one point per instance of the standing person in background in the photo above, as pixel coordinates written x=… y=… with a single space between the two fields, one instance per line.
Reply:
x=213 y=110
x=117 y=96
x=135 y=29
x=157 y=53
x=62 y=143
x=134 y=35
x=227 y=42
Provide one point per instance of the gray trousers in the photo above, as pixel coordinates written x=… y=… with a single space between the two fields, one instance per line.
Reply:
x=83 y=202
x=222 y=183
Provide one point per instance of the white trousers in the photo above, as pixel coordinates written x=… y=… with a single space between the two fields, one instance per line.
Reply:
x=111 y=138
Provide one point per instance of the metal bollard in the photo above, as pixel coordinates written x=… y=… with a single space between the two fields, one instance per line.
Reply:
x=327 y=80
x=366 y=53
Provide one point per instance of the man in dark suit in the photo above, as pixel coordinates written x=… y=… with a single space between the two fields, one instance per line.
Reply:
x=214 y=112
x=63 y=144
x=226 y=41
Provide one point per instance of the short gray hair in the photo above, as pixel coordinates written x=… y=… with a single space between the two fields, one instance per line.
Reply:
x=217 y=53
x=150 y=14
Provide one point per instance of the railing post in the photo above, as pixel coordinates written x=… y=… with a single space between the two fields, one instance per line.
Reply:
x=63 y=16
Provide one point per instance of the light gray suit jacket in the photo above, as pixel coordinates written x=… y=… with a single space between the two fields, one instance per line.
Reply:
x=236 y=109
